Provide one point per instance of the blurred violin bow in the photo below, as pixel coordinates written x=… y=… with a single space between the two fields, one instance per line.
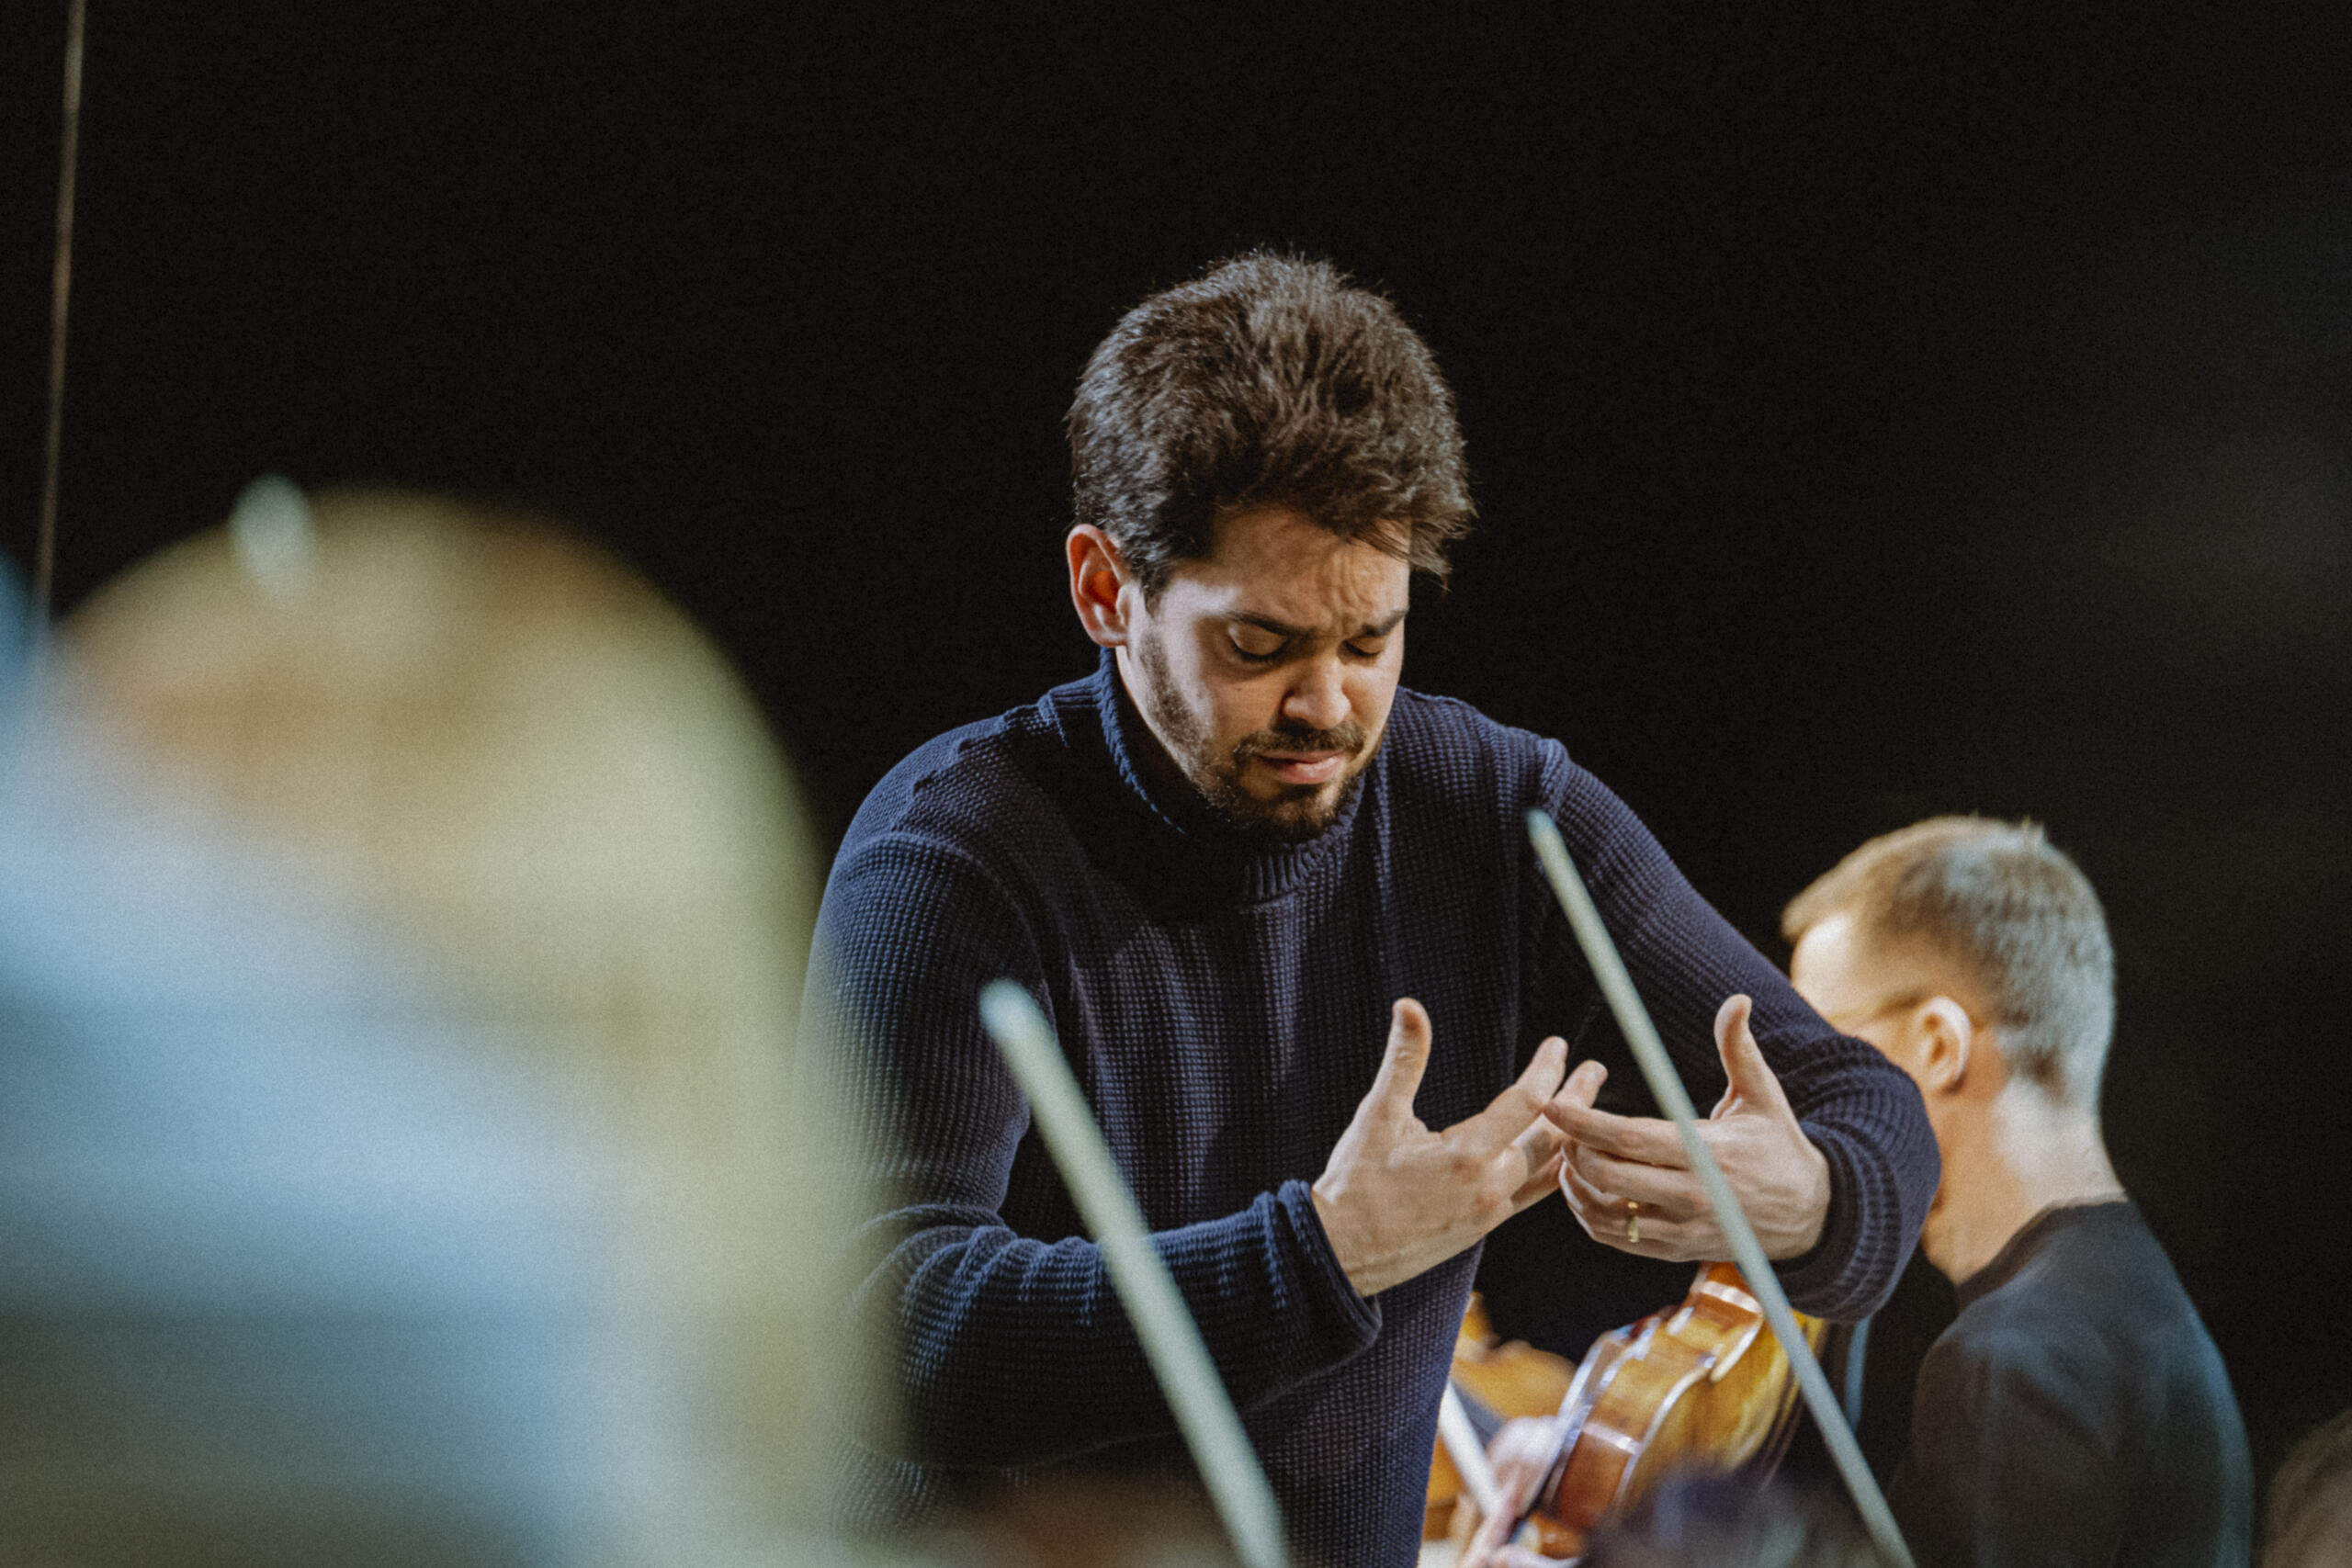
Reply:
x=60 y=290
x=1469 y=1455
x=1170 y=1339
x=1666 y=1084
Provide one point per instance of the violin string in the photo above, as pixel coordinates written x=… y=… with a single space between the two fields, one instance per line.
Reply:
x=60 y=291
x=1658 y=1069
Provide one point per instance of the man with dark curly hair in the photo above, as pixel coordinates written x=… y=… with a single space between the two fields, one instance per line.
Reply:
x=1226 y=865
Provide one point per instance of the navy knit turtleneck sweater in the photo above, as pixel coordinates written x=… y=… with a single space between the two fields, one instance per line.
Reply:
x=1225 y=1006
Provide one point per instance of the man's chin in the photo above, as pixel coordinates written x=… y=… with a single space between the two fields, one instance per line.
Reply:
x=1294 y=815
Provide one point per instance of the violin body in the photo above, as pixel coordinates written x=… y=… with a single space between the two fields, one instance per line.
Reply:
x=1704 y=1384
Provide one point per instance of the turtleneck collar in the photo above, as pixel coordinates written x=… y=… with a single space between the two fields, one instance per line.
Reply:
x=1203 y=849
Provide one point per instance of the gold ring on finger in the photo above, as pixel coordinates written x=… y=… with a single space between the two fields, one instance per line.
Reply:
x=1633 y=1224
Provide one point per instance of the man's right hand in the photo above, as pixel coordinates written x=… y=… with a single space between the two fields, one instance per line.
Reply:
x=1397 y=1199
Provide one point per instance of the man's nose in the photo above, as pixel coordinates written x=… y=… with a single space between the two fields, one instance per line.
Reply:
x=1319 y=698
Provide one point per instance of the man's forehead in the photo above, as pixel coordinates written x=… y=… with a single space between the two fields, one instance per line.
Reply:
x=1281 y=609
x=1342 y=624
x=1273 y=567
x=1826 y=962
x=1840 y=962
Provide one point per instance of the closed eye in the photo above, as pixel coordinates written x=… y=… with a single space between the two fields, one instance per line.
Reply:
x=1274 y=643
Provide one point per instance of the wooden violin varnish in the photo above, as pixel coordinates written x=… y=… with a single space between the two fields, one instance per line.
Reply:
x=1700 y=1385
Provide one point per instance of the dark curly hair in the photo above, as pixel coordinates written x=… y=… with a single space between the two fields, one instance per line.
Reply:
x=1269 y=380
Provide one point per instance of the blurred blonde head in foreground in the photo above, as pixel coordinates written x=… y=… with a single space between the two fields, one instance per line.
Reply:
x=527 y=783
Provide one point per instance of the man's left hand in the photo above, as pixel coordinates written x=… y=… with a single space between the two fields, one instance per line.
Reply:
x=1631 y=1184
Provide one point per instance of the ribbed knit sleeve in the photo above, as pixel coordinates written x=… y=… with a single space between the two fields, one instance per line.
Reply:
x=1860 y=1110
x=1007 y=1350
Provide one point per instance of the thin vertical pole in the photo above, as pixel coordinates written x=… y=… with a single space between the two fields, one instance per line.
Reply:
x=60 y=291
x=1171 y=1341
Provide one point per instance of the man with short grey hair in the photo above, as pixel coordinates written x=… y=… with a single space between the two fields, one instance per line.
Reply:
x=2076 y=1411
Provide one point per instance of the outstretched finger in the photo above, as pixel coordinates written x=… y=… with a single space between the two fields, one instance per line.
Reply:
x=1643 y=1138
x=1749 y=1078
x=1582 y=1087
x=1500 y=1124
x=1406 y=1059
x=1656 y=1187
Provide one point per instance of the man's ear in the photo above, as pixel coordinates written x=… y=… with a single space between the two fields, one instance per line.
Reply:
x=1098 y=578
x=1944 y=1037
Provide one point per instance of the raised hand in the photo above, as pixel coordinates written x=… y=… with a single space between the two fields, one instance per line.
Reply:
x=1631 y=1184
x=1397 y=1199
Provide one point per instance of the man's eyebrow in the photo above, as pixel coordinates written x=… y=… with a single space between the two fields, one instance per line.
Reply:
x=1284 y=630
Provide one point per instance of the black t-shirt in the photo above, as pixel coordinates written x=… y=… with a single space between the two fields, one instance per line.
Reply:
x=2076 y=1412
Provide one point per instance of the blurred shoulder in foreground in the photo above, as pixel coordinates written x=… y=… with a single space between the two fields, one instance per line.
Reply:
x=401 y=915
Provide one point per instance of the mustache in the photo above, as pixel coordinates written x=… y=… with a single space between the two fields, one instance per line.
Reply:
x=1347 y=739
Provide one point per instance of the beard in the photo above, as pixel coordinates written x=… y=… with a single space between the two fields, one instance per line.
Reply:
x=1297 y=812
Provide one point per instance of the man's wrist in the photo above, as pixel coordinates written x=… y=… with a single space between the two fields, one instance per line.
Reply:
x=1811 y=1219
x=1822 y=1194
x=1327 y=1214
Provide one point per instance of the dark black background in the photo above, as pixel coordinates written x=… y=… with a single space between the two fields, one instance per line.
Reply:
x=1871 y=416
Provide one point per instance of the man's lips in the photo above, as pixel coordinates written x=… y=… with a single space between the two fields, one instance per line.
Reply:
x=1305 y=767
